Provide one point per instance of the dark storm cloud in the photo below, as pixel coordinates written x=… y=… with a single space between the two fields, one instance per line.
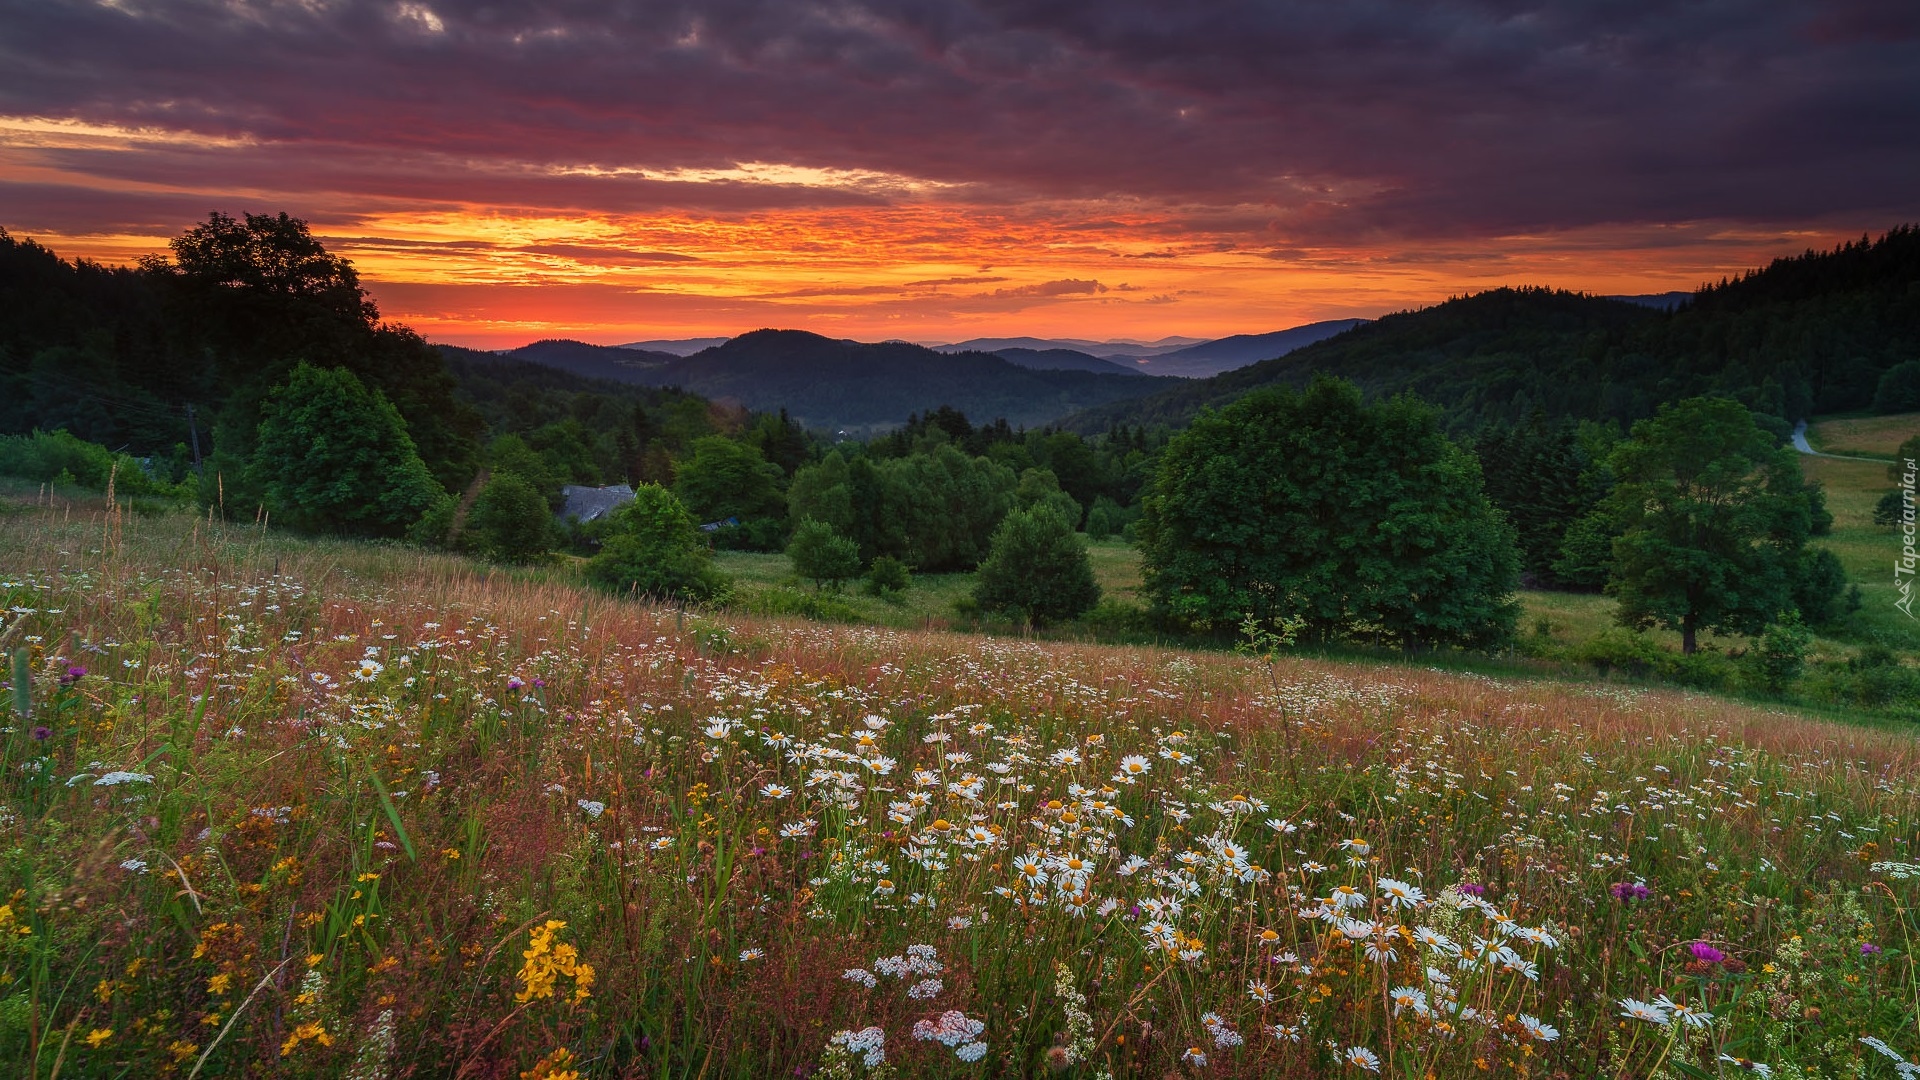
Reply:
x=1309 y=120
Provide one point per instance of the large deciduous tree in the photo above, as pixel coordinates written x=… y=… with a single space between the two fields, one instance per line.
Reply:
x=253 y=296
x=1712 y=521
x=1364 y=521
x=333 y=456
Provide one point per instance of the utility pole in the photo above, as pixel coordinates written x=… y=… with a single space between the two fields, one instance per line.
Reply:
x=193 y=432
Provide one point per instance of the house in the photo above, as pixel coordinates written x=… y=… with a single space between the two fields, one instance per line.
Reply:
x=585 y=504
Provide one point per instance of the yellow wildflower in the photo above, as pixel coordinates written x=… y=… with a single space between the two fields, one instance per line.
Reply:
x=548 y=960
x=305 y=1032
x=98 y=1036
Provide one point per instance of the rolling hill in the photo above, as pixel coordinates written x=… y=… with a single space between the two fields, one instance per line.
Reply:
x=848 y=386
x=1809 y=334
x=1065 y=360
x=1213 y=357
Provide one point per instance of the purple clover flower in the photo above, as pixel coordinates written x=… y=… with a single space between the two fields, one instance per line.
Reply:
x=1624 y=891
x=1471 y=889
x=1868 y=948
x=514 y=683
x=74 y=674
x=1706 y=953
x=41 y=733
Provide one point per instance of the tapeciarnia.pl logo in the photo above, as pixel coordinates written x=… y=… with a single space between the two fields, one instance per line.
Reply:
x=1903 y=567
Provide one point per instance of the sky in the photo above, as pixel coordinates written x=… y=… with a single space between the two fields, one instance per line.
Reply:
x=936 y=170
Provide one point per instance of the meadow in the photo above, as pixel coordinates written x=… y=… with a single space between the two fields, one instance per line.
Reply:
x=296 y=808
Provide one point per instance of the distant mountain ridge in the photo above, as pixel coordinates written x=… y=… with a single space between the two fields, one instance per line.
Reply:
x=1210 y=358
x=1065 y=360
x=849 y=386
x=1105 y=350
x=675 y=346
x=1808 y=334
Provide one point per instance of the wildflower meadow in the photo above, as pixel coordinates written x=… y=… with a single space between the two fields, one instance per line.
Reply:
x=289 y=808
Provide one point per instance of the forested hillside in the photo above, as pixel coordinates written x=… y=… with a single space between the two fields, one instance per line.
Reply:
x=119 y=355
x=1811 y=334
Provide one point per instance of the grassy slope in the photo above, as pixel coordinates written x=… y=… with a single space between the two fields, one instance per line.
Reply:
x=1873 y=436
x=222 y=664
x=929 y=602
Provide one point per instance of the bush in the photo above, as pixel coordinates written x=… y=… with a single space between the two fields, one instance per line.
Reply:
x=1629 y=651
x=786 y=600
x=650 y=546
x=1109 y=518
x=1037 y=567
x=888 y=577
x=1112 y=619
x=1780 y=655
x=509 y=522
x=60 y=457
x=822 y=555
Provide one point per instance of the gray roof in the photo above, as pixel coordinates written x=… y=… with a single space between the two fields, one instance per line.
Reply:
x=588 y=503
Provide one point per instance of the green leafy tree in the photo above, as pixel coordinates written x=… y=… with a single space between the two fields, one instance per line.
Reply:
x=333 y=456
x=722 y=478
x=822 y=555
x=1893 y=505
x=935 y=508
x=1542 y=476
x=1781 y=653
x=510 y=521
x=651 y=547
x=1712 y=521
x=1108 y=518
x=1039 y=487
x=1899 y=389
x=1362 y=521
x=260 y=293
x=510 y=455
x=949 y=504
x=1037 y=568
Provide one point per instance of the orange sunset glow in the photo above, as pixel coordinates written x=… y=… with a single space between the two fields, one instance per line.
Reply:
x=896 y=176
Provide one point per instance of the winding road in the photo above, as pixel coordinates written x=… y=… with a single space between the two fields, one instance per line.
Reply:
x=1800 y=443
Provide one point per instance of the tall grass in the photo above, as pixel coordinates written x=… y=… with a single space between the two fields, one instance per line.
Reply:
x=309 y=809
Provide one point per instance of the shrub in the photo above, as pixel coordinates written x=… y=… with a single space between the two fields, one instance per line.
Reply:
x=509 y=522
x=1109 y=518
x=1780 y=654
x=1616 y=648
x=60 y=457
x=786 y=600
x=650 y=546
x=1037 y=567
x=888 y=577
x=822 y=555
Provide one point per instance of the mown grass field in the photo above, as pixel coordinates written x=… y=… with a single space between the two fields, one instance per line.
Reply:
x=1874 y=436
x=287 y=808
